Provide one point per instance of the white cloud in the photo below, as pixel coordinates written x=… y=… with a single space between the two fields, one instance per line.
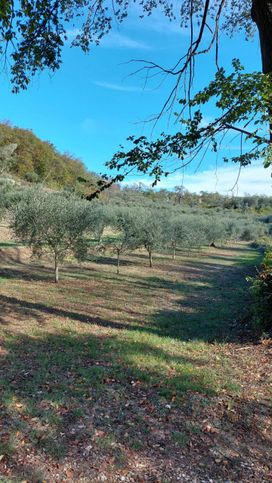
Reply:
x=72 y=33
x=157 y=22
x=254 y=179
x=113 y=40
x=116 y=40
x=119 y=87
x=166 y=27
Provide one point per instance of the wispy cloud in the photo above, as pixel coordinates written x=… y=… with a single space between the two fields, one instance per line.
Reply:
x=253 y=180
x=117 y=40
x=114 y=40
x=118 y=87
x=167 y=27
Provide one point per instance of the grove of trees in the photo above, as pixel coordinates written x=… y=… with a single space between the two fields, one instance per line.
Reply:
x=62 y=225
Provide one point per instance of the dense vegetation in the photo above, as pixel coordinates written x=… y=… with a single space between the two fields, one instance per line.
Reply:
x=25 y=156
x=261 y=288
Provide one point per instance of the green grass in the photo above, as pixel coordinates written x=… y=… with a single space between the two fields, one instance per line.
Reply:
x=108 y=354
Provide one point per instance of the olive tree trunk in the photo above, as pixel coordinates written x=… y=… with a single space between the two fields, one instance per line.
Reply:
x=118 y=262
x=150 y=258
x=56 y=269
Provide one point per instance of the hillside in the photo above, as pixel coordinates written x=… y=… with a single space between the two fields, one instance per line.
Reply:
x=28 y=158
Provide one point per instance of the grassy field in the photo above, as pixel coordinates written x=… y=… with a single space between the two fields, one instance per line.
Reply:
x=138 y=377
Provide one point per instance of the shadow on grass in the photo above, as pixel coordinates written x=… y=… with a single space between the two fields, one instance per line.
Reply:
x=27 y=273
x=84 y=400
x=110 y=260
x=213 y=298
x=211 y=309
x=59 y=391
x=65 y=393
x=19 y=308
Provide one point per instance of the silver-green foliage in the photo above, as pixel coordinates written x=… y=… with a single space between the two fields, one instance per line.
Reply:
x=126 y=230
x=50 y=221
x=152 y=229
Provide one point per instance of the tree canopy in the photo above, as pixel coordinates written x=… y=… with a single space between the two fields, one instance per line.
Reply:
x=242 y=101
x=34 y=33
x=52 y=222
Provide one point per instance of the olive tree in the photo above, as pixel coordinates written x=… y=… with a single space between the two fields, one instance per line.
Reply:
x=180 y=233
x=215 y=230
x=99 y=217
x=152 y=232
x=52 y=222
x=125 y=235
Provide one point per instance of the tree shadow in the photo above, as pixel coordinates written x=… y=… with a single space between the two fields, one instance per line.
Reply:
x=110 y=260
x=83 y=402
x=190 y=317
x=215 y=299
x=60 y=390
x=19 y=308
x=94 y=400
x=30 y=274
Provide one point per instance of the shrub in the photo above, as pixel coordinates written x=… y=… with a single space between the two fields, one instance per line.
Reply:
x=261 y=288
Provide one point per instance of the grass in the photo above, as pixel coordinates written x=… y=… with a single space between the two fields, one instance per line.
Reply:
x=103 y=361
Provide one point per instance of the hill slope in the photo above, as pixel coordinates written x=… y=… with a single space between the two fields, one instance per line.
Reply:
x=36 y=161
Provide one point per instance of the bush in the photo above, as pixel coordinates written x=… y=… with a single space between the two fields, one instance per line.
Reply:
x=261 y=288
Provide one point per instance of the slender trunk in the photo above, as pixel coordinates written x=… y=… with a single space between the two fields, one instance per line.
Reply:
x=174 y=252
x=118 y=262
x=56 y=269
x=150 y=258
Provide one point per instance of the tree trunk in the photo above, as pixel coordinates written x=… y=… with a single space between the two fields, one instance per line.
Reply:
x=150 y=258
x=261 y=14
x=118 y=262
x=174 y=253
x=56 y=269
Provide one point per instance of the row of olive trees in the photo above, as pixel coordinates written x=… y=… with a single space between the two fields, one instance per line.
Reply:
x=64 y=224
x=153 y=230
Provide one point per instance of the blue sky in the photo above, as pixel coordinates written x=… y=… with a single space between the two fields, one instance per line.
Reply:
x=92 y=103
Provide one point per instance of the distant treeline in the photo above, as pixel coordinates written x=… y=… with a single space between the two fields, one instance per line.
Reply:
x=29 y=159
x=143 y=195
